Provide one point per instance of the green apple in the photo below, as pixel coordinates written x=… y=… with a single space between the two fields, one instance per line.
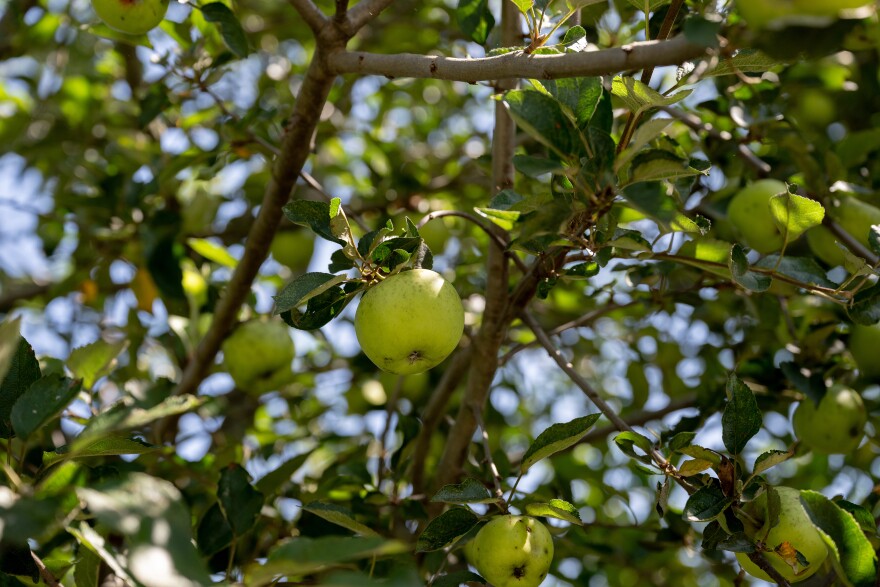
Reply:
x=258 y=355
x=854 y=216
x=134 y=17
x=409 y=322
x=836 y=425
x=864 y=341
x=761 y=13
x=814 y=107
x=293 y=249
x=512 y=551
x=794 y=527
x=827 y=7
x=412 y=386
x=749 y=212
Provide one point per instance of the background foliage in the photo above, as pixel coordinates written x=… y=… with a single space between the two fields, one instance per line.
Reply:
x=133 y=169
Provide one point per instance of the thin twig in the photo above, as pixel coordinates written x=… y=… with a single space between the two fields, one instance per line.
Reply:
x=597 y=400
x=499 y=238
x=759 y=559
x=487 y=454
x=45 y=573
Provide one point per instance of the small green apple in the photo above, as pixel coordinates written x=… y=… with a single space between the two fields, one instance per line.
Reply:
x=761 y=13
x=794 y=527
x=293 y=249
x=134 y=17
x=749 y=212
x=512 y=551
x=409 y=322
x=836 y=425
x=412 y=386
x=258 y=355
x=864 y=341
x=854 y=216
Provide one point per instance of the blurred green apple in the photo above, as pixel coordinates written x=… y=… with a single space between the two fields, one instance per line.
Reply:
x=134 y=17
x=512 y=551
x=828 y=7
x=409 y=322
x=794 y=527
x=864 y=342
x=760 y=13
x=258 y=355
x=293 y=249
x=854 y=216
x=836 y=425
x=749 y=212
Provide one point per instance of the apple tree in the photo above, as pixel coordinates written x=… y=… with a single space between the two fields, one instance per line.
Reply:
x=508 y=292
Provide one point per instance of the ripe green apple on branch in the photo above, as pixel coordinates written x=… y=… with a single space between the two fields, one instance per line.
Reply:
x=834 y=426
x=133 y=17
x=258 y=355
x=791 y=544
x=512 y=551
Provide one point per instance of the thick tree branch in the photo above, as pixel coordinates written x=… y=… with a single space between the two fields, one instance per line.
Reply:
x=295 y=149
x=519 y=64
x=311 y=14
x=9 y=299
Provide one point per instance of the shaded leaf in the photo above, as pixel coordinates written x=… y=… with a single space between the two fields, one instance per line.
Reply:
x=24 y=369
x=468 y=491
x=340 y=516
x=241 y=503
x=42 y=401
x=230 y=29
x=741 y=419
x=475 y=19
x=446 y=528
x=706 y=504
x=556 y=508
x=769 y=460
x=556 y=438
x=742 y=273
x=93 y=361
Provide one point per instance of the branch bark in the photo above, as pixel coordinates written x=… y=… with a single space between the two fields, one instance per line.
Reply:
x=311 y=14
x=519 y=64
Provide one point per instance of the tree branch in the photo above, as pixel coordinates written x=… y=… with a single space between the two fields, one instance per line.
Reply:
x=295 y=149
x=640 y=418
x=519 y=64
x=363 y=12
x=311 y=14
x=25 y=292
x=495 y=317
x=759 y=559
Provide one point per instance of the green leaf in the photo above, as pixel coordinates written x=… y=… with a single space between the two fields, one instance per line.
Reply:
x=804 y=269
x=745 y=61
x=24 y=369
x=542 y=117
x=151 y=514
x=535 y=166
x=475 y=19
x=42 y=401
x=302 y=556
x=651 y=199
x=212 y=251
x=646 y=132
x=579 y=96
x=639 y=97
x=93 y=361
x=769 y=460
x=698 y=452
x=305 y=287
x=681 y=440
x=214 y=532
x=556 y=438
x=506 y=219
x=101 y=447
x=230 y=29
x=87 y=537
x=9 y=337
x=340 y=516
x=702 y=31
x=446 y=528
x=315 y=215
x=650 y=5
x=88 y=565
x=524 y=5
x=742 y=273
x=658 y=165
x=865 y=308
x=124 y=416
x=706 y=504
x=741 y=418
x=795 y=214
x=556 y=508
x=240 y=502
x=628 y=441
x=468 y=491
x=858 y=561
